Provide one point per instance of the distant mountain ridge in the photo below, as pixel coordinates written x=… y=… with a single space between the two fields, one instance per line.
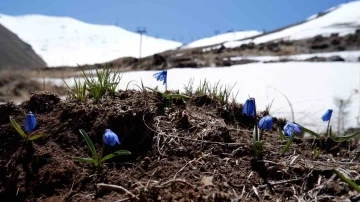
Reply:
x=342 y=19
x=65 y=41
x=14 y=53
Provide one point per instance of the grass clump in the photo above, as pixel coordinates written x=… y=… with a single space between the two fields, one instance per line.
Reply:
x=95 y=85
x=217 y=91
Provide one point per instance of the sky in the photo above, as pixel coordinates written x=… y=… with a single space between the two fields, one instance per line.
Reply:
x=179 y=20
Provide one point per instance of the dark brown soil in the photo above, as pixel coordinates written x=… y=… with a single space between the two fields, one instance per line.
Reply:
x=194 y=150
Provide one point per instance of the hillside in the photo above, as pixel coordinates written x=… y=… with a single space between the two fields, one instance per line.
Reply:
x=14 y=53
x=326 y=36
x=64 y=41
x=230 y=36
x=343 y=19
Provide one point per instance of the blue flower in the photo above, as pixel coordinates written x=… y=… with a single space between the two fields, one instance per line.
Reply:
x=290 y=127
x=110 y=138
x=161 y=76
x=327 y=115
x=265 y=123
x=248 y=107
x=30 y=122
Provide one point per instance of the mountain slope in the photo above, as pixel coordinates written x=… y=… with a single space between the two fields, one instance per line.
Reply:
x=14 y=53
x=64 y=41
x=343 y=19
x=230 y=36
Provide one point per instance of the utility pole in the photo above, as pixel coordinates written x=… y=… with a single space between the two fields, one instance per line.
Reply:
x=117 y=22
x=141 y=31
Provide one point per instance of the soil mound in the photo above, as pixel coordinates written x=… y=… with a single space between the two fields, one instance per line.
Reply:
x=181 y=150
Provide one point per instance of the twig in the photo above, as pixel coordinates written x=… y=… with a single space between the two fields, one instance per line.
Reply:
x=256 y=193
x=185 y=166
x=71 y=189
x=115 y=187
x=240 y=197
x=293 y=160
x=168 y=183
x=121 y=200
x=278 y=182
x=287 y=99
x=318 y=188
x=203 y=141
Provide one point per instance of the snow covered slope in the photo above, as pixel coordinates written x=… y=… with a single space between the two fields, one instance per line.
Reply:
x=67 y=41
x=231 y=36
x=343 y=19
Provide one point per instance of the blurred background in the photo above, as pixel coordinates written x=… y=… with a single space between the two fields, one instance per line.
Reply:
x=302 y=52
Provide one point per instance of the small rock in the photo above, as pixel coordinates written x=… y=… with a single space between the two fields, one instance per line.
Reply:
x=336 y=59
x=206 y=180
x=316 y=59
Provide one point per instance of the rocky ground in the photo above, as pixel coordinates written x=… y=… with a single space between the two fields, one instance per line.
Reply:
x=198 y=149
x=217 y=55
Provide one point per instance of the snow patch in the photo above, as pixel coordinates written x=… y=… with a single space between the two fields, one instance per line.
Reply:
x=231 y=36
x=64 y=41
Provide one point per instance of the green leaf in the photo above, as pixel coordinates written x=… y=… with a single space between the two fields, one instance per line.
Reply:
x=287 y=145
x=330 y=132
x=347 y=181
x=343 y=138
x=311 y=132
x=282 y=136
x=36 y=137
x=258 y=145
x=176 y=96
x=90 y=145
x=117 y=153
x=154 y=90
x=18 y=128
x=86 y=160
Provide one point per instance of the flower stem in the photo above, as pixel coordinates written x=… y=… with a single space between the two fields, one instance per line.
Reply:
x=328 y=128
x=255 y=123
x=101 y=152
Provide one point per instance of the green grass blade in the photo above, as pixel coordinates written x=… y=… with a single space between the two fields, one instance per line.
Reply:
x=176 y=96
x=36 y=137
x=282 y=136
x=153 y=90
x=343 y=138
x=287 y=146
x=90 y=145
x=127 y=85
x=86 y=160
x=18 y=128
x=311 y=132
x=347 y=181
x=117 y=153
